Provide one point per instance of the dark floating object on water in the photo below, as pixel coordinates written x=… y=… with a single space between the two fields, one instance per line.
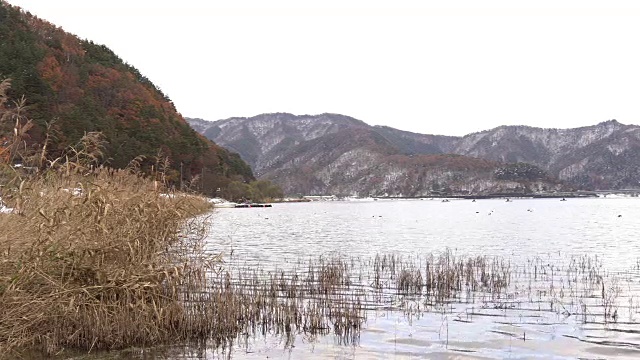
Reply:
x=619 y=215
x=253 y=205
x=563 y=199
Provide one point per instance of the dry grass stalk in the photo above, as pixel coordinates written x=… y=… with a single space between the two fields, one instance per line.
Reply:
x=86 y=263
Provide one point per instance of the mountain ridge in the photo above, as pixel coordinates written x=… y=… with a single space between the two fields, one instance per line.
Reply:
x=302 y=153
x=601 y=156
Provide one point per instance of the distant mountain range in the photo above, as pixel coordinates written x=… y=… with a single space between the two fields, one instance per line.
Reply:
x=602 y=156
x=337 y=154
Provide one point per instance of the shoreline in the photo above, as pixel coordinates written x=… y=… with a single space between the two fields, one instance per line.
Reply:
x=467 y=197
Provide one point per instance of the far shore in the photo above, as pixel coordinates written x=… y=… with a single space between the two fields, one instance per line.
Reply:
x=555 y=195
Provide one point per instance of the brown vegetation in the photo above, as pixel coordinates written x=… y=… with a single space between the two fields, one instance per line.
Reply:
x=86 y=262
x=91 y=257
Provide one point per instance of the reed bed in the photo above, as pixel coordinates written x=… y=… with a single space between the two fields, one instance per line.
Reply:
x=336 y=294
x=88 y=261
x=113 y=268
x=333 y=294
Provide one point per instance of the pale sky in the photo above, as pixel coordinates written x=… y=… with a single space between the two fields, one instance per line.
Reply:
x=439 y=67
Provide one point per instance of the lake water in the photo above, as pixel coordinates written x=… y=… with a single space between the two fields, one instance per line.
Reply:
x=540 y=316
x=520 y=229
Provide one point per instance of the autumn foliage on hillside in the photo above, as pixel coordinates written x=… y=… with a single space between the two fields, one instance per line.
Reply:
x=74 y=86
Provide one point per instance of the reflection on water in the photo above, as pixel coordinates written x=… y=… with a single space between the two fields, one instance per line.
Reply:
x=425 y=279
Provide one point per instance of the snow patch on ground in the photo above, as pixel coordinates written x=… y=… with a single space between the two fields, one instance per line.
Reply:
x=4 y=209
x=74 y=191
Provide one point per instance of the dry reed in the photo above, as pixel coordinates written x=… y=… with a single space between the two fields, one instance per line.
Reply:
x=86 y=261
x=90 y=257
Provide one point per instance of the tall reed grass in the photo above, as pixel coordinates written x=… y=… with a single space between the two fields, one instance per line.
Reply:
x=90 y=257
x=89 y=261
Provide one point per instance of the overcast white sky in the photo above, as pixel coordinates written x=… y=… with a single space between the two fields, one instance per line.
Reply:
x=440 y=67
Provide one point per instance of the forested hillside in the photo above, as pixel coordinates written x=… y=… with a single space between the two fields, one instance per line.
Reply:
x=74 y=86
x=340 y=155
x=284 y=147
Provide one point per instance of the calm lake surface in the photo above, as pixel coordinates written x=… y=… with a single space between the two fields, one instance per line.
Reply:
x=550 y=316
x=520 y=229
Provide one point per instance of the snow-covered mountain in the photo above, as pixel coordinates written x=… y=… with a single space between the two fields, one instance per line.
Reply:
x=330 y=153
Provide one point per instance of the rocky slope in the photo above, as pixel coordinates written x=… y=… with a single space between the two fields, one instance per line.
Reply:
x=602 y=156
x=336 y=154
x=261 y=141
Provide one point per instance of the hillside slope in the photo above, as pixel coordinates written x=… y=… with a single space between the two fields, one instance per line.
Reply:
x=602 y=156
x=336 y=154
x=80 y=86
